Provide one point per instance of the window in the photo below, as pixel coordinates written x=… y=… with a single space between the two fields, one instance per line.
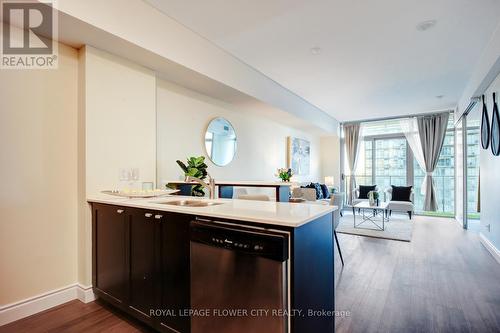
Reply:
x=385 y=159
x=390 y=162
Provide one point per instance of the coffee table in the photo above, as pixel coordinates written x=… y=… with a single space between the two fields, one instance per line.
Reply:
x=374 y=214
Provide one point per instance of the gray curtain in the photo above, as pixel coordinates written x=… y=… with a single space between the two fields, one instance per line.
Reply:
x=432 y=130
x=351 y=134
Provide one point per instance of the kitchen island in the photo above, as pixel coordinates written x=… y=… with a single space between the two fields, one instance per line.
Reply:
x=198 y=265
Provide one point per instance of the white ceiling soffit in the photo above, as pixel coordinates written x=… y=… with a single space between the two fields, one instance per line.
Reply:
x=353 y=59
x=139 y=32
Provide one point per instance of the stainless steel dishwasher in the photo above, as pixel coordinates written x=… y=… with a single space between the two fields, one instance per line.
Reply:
x=239 y=279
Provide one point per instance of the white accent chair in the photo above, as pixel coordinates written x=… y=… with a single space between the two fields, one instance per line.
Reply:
x=400 y=206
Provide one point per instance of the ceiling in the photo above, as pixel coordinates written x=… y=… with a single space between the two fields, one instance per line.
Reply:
x=372 y=63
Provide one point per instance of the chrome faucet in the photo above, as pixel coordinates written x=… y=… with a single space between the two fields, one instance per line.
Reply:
x=210 y=186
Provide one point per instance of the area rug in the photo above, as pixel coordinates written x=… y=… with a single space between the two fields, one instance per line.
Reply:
x=398 y=228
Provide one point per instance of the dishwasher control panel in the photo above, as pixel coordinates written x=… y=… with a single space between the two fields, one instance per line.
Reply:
x=272 y=245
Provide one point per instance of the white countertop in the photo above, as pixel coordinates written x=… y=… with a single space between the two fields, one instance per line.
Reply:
x=266 y=212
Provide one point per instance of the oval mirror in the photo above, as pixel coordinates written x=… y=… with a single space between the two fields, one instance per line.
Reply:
x=220 y=141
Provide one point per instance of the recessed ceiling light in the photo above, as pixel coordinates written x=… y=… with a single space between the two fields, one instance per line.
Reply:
x=426 y=25
x=315 y=50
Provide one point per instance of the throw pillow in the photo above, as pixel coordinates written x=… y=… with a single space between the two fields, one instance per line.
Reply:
x=326 y=191
x=317 y=187
x=363 y=191
x=319 y=191
x=401 y=193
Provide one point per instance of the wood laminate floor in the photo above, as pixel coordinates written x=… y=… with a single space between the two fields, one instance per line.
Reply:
x=76 y=316
x=444 y=280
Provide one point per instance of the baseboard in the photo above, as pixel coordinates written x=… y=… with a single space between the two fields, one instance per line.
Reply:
x=22 y=309
x=85 y=293
x=490 y=247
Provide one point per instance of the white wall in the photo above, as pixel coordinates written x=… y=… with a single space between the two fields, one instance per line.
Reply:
x=120 y=109
x=183 y=116
x=330 y=158
x=38 y=168
x=490 y=180
x=484 y=73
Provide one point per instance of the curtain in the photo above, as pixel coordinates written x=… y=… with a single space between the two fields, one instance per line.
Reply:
x=352 y=140
x=410 y=130
x=432 y=130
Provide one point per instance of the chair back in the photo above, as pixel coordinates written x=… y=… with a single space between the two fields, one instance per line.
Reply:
x=256 y=197
x=239 y=192
x=336 y=200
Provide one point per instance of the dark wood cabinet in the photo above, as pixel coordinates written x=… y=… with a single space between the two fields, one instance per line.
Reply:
x=141 y=263
x=110 y=252
x=144 y=277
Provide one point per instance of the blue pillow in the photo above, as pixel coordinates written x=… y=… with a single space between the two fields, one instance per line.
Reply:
x=326 y=191
x=319 y=191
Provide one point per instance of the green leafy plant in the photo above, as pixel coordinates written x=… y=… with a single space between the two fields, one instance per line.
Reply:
x=195 y=167
x=284 y=174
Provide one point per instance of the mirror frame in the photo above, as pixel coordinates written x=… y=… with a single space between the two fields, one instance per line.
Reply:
x=235 y=145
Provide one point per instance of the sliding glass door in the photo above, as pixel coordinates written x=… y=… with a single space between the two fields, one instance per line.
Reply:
x=472 y=173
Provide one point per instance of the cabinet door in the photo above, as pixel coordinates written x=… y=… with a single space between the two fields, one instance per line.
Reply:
x=175 y=282
x=110 y=251
x=144 y=254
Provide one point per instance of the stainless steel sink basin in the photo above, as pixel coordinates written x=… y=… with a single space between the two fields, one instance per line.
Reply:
x=191 y=203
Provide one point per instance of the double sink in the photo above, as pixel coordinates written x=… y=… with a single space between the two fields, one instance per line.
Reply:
x=190 y=203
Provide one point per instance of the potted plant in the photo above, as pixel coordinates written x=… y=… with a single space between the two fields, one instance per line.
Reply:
x=373 y=197
x=284 y=174
x=195 y=167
